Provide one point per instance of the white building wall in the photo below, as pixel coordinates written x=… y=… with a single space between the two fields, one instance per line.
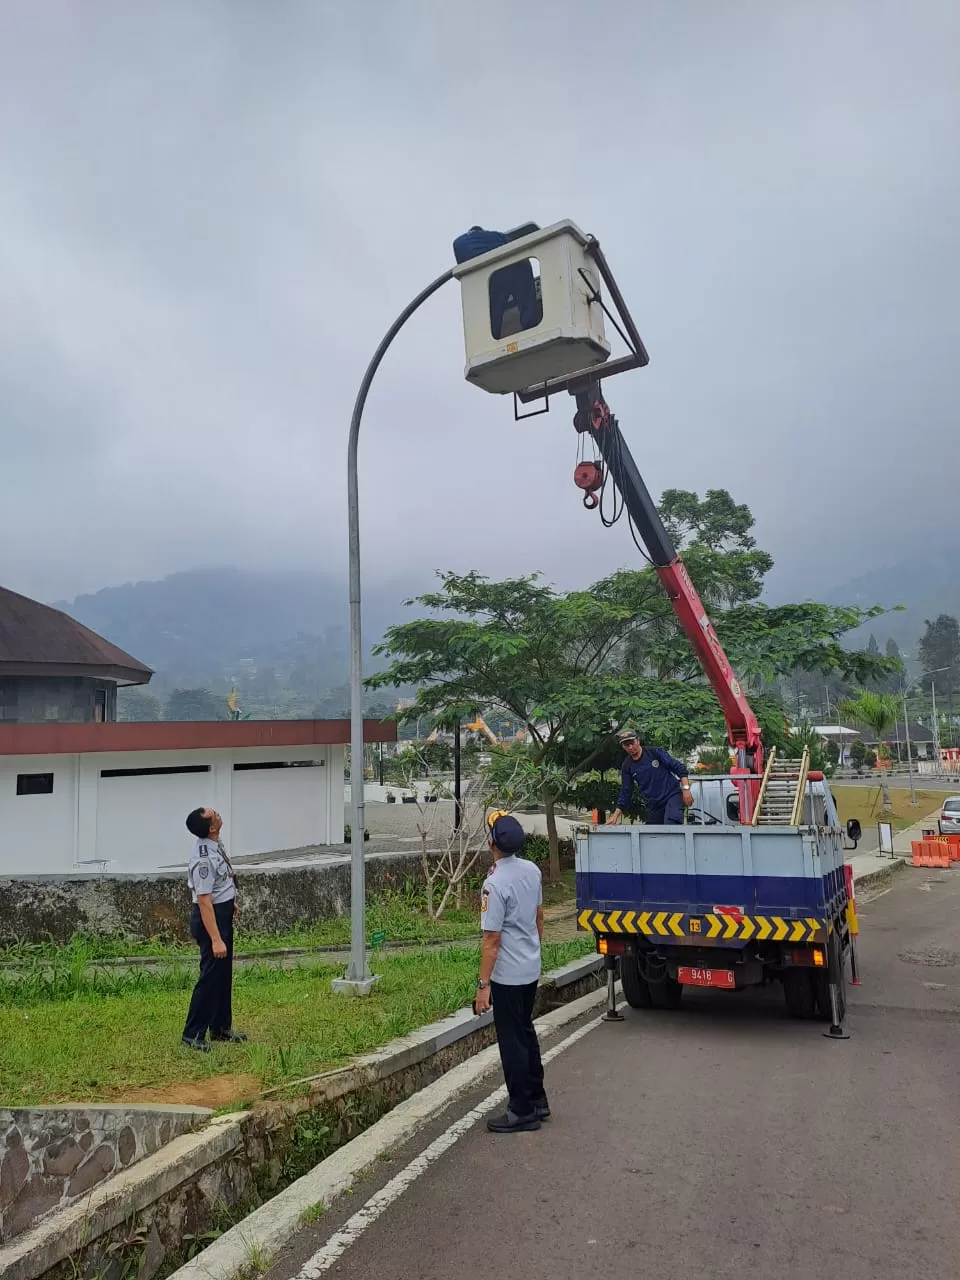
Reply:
x=135 y=822
x=38 y=834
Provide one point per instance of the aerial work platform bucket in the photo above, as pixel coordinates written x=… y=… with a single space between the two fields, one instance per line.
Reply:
x=530 y=307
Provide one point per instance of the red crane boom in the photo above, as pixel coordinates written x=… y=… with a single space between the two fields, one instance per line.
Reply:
x=593 y=418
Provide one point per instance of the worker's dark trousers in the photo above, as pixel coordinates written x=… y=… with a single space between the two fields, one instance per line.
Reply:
x=519 y=1047
x=671 y=812
x=211 y=1004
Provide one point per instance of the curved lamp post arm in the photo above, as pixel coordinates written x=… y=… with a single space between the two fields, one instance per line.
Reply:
x=358 y=977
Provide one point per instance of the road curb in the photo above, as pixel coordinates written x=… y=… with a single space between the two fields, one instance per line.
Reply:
x=270 y=1228
x=873 y=879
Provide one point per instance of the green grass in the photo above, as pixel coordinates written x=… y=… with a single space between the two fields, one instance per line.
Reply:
x=97 y=1046
x=397 y=913
x=865 y=804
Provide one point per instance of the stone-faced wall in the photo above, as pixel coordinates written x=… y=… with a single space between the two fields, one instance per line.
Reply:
x=50 y=1156
x=59 y=699
x=53 y=907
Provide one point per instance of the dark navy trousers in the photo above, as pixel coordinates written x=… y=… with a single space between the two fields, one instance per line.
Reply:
x=671 y=812
x=518 y=1044
x=211 y=1005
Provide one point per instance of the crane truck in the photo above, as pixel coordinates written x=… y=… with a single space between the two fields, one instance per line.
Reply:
x=753 y=888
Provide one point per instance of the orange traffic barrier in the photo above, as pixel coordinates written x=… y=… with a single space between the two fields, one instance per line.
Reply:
x=932 y=853
x=939 y=854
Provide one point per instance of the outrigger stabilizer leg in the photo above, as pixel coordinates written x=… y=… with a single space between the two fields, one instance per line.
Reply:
x=611 y=1015
x=835 y=977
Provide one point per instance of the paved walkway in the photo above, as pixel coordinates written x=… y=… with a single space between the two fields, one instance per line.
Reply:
x=723 y=1139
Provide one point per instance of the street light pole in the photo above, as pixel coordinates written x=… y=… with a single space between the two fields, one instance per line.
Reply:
x=935 y=726
x=906 y=726
x=358 y=979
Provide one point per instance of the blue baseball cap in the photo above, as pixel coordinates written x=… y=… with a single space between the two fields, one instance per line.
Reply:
x=507 y=834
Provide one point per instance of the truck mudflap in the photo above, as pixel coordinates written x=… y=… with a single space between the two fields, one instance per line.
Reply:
x=720 y=927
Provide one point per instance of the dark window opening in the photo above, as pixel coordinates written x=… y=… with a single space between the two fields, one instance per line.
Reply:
x=157 y=772
x=34 y=784
x=515 y=301
x=99 y=705
x=277 y=764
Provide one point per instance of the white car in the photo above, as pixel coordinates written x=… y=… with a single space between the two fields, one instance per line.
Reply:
x=950 y=816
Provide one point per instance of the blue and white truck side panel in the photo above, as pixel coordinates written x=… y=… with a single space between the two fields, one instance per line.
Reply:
x=722 y=885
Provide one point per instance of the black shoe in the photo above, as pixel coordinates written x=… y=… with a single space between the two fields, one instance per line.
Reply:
x=229 y=1037
x=200 y=1046
x=542 y=1110
x=511 y=1123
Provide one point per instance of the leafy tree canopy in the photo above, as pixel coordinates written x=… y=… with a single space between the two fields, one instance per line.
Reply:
x=573 y=666
x=940 y=648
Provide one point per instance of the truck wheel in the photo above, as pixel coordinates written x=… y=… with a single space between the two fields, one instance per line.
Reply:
x=635 y=989
x=666 y=994
x=800 y=993
x=822 y=981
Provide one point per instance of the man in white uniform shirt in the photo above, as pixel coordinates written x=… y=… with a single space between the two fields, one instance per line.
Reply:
x=214 y=893
x=511 y=915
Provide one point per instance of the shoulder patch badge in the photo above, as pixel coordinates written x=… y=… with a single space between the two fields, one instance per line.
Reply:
x=203 y=871
x=484 y=900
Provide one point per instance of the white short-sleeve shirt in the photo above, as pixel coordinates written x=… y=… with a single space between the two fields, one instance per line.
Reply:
x=209 y=871
x=511 y=894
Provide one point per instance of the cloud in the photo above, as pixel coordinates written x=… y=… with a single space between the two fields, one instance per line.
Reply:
x=211 y=212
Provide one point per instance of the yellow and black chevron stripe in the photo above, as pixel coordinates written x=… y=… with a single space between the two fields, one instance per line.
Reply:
x=705 y=928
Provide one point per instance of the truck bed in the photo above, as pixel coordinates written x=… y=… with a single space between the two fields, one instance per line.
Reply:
x=722 y=885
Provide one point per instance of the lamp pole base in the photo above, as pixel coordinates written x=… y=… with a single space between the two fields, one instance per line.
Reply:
x=355 y=986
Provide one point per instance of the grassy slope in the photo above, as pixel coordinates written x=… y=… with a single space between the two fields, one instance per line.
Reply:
x=864 y=804
x=99 y=1048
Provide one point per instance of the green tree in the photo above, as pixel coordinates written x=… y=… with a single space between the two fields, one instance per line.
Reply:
x=138 y=705
x=195 y=704
x=893 y=682
x=878 y=712
x=565 y=666
x=858 y=753
x=940 y=648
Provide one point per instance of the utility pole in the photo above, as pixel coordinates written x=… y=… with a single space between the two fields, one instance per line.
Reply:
x=906 y=726
x=935 y=726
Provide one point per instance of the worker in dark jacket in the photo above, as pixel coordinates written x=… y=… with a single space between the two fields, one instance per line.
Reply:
x=662 y=780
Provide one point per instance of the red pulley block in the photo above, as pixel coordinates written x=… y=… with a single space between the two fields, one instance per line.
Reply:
x=588 y=476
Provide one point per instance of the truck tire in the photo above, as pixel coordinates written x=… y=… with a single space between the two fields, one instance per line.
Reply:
x=636 y=992
x=800 y=993
x=666 y=994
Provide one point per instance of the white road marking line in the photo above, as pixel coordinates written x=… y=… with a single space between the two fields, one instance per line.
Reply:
x=378 y=1203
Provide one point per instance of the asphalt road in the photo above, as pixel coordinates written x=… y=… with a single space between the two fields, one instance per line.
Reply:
x=722 y=1140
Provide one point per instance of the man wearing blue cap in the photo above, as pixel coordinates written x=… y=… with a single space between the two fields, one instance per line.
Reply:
x=511 y=915
x=661 y=780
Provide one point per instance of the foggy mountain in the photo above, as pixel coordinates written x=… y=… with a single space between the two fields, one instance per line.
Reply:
x=208 y=627
x=925 y=585
x=211 y=627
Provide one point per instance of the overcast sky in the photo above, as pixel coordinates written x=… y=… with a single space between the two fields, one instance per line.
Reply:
x=210 y=212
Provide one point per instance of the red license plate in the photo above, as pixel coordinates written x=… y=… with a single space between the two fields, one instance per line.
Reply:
x=706 y=977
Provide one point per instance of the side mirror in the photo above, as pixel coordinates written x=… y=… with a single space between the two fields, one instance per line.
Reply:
x=854 y=831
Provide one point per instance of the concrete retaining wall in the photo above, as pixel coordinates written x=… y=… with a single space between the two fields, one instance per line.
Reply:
x=51 y=1156
x=41 y=908
x=147 y=1220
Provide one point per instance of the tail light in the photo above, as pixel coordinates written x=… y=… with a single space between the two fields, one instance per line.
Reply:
x=611 y=946
x=808 y=956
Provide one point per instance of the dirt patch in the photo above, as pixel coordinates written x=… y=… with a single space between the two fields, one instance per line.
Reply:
x=218 y=1091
